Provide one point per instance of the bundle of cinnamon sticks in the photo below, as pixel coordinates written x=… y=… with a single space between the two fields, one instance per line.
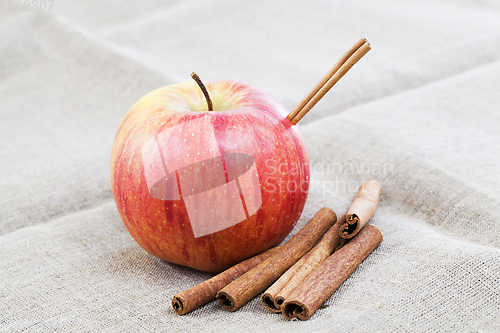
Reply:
x=303 y=273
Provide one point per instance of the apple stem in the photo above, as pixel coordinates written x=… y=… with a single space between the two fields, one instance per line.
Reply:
x=204 y=90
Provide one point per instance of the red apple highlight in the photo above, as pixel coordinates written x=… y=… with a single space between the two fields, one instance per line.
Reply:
x=208 y=189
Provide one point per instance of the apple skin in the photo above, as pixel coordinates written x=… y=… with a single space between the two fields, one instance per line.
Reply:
x=247 y=122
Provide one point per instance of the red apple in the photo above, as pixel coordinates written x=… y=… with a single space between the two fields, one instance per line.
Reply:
x=207 y=189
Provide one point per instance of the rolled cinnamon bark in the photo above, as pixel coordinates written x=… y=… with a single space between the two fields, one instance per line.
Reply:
x=268 y=298
x=361 y=209
x=341 y=67
x=275 y=295
x=330 y=275
x=256 y=280
x=206 y=291
x=316 y=256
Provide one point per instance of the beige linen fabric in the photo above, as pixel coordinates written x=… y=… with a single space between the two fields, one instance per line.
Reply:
x=420 y=114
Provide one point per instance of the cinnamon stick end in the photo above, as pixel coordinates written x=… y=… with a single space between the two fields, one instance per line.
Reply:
x=295 y=309
x=178 y=305
x=350 y=228
x=278 y=301
x=267 y=300
x=330 y=213
x=226 y=301
x=374 y=227
x=373 y=186
x=367 y=43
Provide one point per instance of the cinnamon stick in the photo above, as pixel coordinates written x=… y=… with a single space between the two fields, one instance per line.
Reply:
x=341 y=67
x=206 y=291
x=277 y=293
x=330 y=275
x=318 y=255
x=268 y=298
x=361 y=209
x=256 y=280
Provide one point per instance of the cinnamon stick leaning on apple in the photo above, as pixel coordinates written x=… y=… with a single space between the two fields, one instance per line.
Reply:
x=341 y=67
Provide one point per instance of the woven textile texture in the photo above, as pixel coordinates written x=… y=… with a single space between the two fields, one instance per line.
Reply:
x=420 y=113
